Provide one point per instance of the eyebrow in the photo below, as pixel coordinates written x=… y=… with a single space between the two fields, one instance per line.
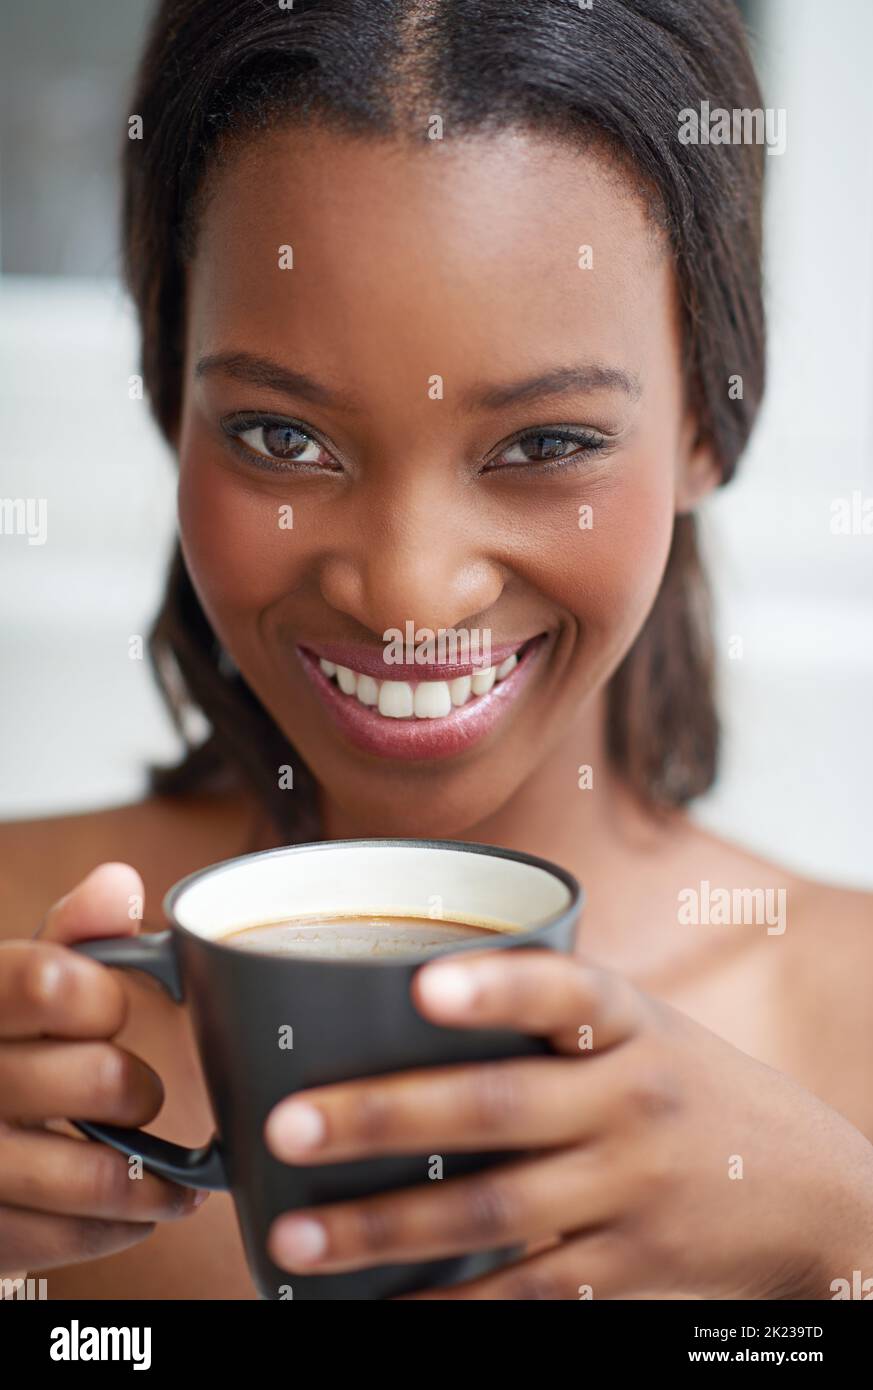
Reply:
x=561 y=381
x=261 y=371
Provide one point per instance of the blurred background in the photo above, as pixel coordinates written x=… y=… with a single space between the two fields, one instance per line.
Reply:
x=79 y=718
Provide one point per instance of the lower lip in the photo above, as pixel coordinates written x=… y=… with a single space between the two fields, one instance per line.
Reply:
x=422 y=739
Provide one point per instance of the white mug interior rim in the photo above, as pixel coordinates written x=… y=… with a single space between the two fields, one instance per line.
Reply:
x=440 y=880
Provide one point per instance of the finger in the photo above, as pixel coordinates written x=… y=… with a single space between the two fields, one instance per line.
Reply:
x=80 y=1177
x=77 y=1081
x=596 y=1265
x=506 y=1205
x=37 y=1240
x=47 y=990
x=532 y=991
x=534 y=1102
x=101 y=905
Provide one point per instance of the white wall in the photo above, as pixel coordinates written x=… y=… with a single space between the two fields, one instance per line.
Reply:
x=798 y=780
x=78 y=714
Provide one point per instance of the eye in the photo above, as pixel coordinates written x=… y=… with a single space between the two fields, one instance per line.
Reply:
x=278 y=445
x=550 y=448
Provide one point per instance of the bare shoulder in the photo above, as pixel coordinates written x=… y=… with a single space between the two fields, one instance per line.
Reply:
x=794 y=959
x=832 y=930
x=820 y=913
x=163 y=837
x=817 y=936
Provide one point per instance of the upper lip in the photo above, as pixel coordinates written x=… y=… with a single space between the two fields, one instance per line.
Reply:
x=370 y=661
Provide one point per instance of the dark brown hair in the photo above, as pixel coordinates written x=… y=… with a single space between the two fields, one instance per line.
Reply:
x=618 y=74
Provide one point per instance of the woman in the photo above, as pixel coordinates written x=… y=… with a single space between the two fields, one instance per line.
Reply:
x=447 y=327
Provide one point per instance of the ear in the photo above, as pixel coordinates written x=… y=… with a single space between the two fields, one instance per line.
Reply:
x=698 y=471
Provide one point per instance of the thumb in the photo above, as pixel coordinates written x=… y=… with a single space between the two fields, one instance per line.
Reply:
x=109 y=901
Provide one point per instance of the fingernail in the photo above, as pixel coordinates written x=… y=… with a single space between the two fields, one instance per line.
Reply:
x=298 y=1126
x=300 y=1241
x=199 y=1198
x=447 y=987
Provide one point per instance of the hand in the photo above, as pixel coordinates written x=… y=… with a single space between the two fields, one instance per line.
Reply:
x=64 y=1200
x=634 y=1150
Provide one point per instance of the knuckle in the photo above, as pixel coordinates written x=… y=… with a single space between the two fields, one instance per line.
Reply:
x=488 y=1211
x=495 y=1097
x=124 y=1085
x=533 y=1284
x=376 y=1228
x=650 y=1094
x=512 y=984
x=109 y=1184
x=606 y=998
x=595 y=983
x=644 y=1237
x=113 y=1074
x=621 y=995
x=372 y=1115
x=629 y=1001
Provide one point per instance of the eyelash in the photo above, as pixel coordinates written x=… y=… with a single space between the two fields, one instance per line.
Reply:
x=591 y=444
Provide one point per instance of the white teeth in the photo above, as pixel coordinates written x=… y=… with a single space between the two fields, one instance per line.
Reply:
x=483 y=681
x=367 y=691
x=347 y=680
x=395 y=699
x=425 y=700
x=432 y=700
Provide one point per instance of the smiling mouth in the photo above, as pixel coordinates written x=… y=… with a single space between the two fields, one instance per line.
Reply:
x=421 y=718
x=424 y=699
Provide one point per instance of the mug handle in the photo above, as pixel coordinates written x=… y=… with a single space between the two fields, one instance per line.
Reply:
x=199 y=1168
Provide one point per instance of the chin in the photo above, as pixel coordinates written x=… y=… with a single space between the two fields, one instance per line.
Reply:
x=412 y=812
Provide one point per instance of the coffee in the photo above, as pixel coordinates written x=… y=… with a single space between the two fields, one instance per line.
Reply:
x=364 y=936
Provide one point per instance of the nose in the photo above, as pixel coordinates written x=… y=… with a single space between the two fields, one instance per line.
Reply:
x=412 y=554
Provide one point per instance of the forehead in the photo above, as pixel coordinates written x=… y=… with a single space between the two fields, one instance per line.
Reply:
x=473 y=245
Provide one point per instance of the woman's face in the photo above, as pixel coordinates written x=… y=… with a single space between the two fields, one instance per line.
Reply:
x=446 y=377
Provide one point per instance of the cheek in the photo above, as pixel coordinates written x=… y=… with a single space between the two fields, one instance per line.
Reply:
x=240 y=555
x=619 y=552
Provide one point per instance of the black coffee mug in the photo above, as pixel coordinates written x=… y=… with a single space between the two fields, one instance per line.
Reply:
x=348 y=1017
